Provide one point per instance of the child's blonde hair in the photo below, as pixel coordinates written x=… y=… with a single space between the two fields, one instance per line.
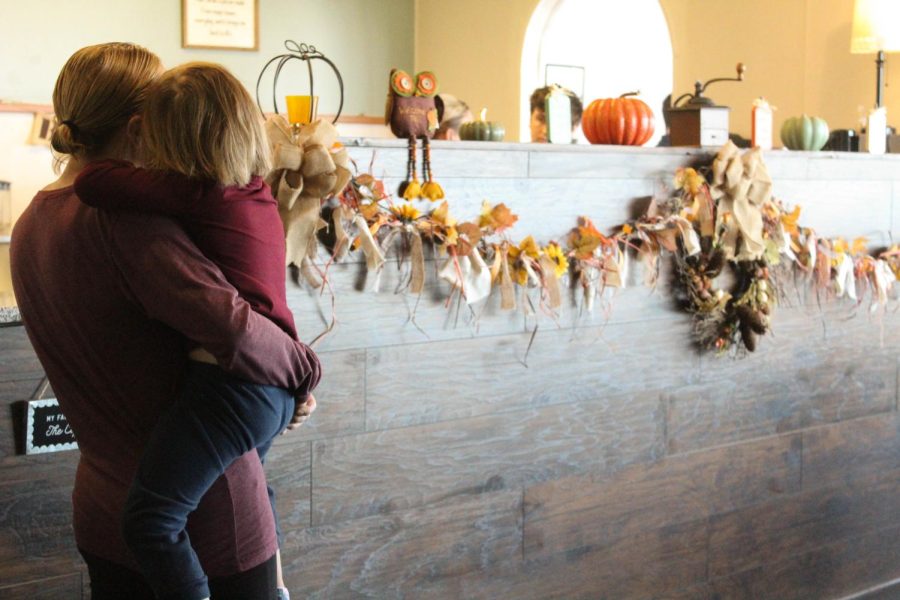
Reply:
x=200 y=121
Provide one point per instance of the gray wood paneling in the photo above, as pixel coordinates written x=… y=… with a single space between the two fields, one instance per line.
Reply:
x=36 y=539
x=844 y=453
x=413 y=553
x=895 y=221
x=833 y=571
x=288 y=473
x=447 y=163
x=468 y=378
x=848 y=208
x=371 y=320
x=618 y=464
x=611 y=163
x=777 y=530
x=851 y=166
x=62 y=587
x=797 y=378
x=390 y=470
x=17 y=359
x=785 y=164
x=340 y=398
x=594 y=511
x=646 y=565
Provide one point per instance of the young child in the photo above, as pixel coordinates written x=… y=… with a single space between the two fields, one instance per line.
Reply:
x=205 y=152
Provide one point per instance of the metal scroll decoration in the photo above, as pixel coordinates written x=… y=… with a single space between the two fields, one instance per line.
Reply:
x=307 y=54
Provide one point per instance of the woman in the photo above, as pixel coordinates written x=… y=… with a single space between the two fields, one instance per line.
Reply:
x=96 y=290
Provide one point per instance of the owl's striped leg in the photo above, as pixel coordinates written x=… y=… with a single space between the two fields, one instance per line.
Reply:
x=411 y=188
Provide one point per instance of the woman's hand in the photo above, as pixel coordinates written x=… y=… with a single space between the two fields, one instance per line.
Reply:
x=302 y=411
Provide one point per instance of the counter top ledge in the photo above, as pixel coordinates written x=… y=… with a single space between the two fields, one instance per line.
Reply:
x=358 y=142
x=9 y=315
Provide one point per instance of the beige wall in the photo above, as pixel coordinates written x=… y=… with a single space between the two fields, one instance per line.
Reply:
x=475 y=49
x=797 y=53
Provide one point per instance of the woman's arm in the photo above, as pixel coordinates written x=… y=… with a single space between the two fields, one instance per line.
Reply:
x=119 y=185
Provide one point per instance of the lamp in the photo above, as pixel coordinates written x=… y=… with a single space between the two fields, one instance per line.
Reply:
x=876 y=29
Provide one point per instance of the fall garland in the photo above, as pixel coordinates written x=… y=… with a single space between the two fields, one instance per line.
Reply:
x=721 y=221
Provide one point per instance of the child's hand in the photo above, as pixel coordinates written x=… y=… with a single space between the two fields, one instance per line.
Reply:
x=302 y=410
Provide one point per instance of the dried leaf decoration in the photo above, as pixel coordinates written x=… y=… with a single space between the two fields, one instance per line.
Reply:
x=496 y=218
x=689 y=180
x=585 y=238
x=468 y=236
x=521 y=257
x=789 y=221
x=441 y=215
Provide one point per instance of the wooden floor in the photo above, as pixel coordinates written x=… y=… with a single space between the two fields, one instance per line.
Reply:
x=610 y=461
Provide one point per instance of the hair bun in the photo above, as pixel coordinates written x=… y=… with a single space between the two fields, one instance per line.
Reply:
x=65 y=139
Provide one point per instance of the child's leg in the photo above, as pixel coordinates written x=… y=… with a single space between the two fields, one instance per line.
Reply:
x=217 y=419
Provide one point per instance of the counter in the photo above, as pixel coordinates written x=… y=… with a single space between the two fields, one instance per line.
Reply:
x=456 y=454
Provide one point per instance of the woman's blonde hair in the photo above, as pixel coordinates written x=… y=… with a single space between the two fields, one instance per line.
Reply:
x=200 y=121
x=98 y=90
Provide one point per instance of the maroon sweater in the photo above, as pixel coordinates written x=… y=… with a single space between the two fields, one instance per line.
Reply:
x=107 y=300
x=238 y=228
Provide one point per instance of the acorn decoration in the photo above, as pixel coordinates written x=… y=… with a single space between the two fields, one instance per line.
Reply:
x=411 y=112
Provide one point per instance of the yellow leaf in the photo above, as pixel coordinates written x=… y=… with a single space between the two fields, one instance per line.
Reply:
x=530 y=247
x=370 y=211
x=859 y=246
x=441 y=215
x=840 y=245
x=627 y=229
x=689 y=180
x=789 y=220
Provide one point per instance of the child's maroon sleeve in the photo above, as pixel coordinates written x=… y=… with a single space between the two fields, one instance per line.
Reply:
x=119 y=185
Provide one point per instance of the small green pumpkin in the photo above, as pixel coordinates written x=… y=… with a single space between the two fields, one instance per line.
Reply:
x=804 y=133
x=484 y=131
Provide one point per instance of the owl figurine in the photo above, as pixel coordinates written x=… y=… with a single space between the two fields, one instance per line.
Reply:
x=412 y=114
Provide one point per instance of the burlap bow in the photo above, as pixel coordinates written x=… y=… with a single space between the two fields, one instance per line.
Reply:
x=308 y=166
x=741 y=185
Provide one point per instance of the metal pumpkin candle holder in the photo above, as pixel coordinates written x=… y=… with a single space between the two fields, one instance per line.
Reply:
x=297 y=105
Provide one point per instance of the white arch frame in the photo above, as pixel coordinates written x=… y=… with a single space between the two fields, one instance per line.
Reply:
x=530 y=67
x=530 y=71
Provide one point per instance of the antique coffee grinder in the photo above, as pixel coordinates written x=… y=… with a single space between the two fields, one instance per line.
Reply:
x=700 y=121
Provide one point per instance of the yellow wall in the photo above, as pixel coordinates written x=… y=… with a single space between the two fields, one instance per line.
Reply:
x=475 y=49
x=797 y=54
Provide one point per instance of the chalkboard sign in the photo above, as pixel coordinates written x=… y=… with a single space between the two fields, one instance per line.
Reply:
x=46 y=428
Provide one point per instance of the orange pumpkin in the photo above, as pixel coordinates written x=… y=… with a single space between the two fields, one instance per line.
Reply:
x=621 y=121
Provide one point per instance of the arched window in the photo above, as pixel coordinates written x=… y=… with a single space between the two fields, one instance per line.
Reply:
x=622 y=47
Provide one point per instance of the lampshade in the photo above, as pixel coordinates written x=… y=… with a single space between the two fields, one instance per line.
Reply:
x=876 y=26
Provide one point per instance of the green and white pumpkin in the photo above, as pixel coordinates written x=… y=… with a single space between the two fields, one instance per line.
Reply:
x=804 y=133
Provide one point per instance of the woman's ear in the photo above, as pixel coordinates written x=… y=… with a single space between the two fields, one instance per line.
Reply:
x=133 y=135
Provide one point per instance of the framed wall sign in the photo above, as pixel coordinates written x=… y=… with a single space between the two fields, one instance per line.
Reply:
x=225 y=24
x=46 y=428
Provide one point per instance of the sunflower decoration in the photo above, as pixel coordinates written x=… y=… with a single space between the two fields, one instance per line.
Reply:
x=557 y=259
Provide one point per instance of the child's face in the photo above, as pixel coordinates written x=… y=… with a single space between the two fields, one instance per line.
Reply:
x=538 y=126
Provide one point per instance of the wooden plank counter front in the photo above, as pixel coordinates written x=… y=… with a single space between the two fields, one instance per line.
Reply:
x=618 y=463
